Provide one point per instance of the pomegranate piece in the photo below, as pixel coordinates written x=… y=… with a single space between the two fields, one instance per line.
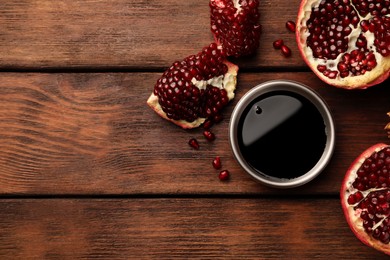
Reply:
x=365 y=197
x=235 y=25
x=224 y=175
x=194 y=89
x=194 y=143
x=217 y=163
x=278 y=44
x=290 y=25
x=209 y=135
x=346 y=43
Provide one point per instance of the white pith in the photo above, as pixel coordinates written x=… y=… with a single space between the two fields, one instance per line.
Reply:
x=236 y=4
x=226 y=82
x=350 y=81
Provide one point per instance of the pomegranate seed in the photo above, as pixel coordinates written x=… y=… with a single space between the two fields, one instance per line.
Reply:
x=290 y=25
x=278 y=44
x=238 y=30
x=209 y=135
x=208 y=124
x=285 y=51
x=217 y=163
x=194 y=143
x=224 y=175
x=321 y=68
x=217 y=118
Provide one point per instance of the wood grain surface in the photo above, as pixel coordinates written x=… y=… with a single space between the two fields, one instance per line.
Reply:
x=89 y=171
x=94 y=134
x=136 y=34
x=177 y=229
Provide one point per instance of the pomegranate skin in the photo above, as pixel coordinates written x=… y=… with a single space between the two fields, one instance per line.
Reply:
x=351 y=214
x=371 y=77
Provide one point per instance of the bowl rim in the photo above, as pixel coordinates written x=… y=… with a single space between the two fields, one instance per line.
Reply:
x=300 y=89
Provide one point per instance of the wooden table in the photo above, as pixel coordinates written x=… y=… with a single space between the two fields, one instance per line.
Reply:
x=87 y=170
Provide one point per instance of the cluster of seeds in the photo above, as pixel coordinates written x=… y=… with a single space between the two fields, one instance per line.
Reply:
x=331 y=24
x=372 y=197
x=237 y=31
x=375 y=8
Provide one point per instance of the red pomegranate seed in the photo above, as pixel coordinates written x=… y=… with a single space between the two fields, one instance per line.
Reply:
x=224 y=175
x=208 y=124
x=278 y=44
x=217 y=163
x=286 y=51
x=290 y=25
x=193 y=143
x=209 y=135
x=217 y=118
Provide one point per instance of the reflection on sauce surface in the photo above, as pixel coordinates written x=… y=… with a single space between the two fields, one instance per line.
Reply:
x=281 y=134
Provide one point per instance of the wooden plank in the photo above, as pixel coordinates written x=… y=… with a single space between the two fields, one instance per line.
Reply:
x=94 y=134
x=125 y=34
x=217 y=228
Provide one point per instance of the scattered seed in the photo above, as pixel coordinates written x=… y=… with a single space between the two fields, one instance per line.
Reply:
x=278 y=44
x=224 y=175
x=194 y=143
x=286 y=51
x=209 y=135
x=208 y=124
x=217 y=163
x=290 y=25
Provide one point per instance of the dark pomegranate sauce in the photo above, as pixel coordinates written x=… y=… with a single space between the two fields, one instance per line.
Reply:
x=281 y=134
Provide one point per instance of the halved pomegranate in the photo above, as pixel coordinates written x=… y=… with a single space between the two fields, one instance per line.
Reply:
x=235 y=25
x=194 y=89
x=346 y=42
x=365 y=197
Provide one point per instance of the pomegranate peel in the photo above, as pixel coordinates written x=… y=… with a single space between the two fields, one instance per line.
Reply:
x=365 y=197
x=345 y=43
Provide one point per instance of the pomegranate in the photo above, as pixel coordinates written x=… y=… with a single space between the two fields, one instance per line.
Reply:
x=365 y=197
x=194 y=89
x=346 y=42
x=235 y=25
